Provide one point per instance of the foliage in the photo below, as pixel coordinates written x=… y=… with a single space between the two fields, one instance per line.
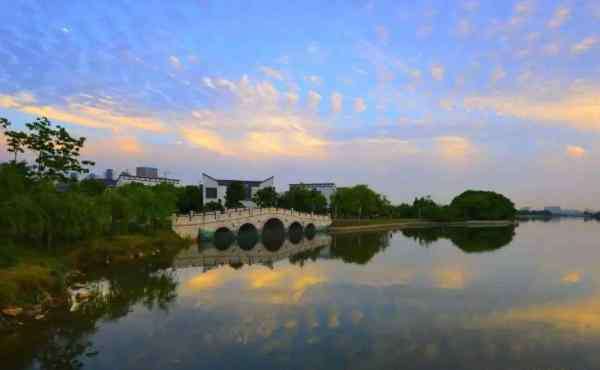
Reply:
x=266 y=197
x=213 y=206
x=235 y=194
x=190 y=199
x=359 y=202
x=483 y=205
x=303 y=199
x=56 y=152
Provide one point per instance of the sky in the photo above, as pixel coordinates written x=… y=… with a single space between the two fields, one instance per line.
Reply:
x=413 y=100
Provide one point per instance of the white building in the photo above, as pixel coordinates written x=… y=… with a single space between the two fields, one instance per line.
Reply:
x=214 y=190
x=125 y=179
x=325 y=188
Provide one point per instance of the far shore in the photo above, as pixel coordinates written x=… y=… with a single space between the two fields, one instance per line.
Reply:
x=342 y=226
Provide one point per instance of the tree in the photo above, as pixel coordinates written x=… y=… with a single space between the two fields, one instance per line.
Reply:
x=56 y=151
x=266 y=197
x=213 y=206
x=303 y=199
x=190 y=199
x=15 y=140
x=359 y=201
x=483 y=205
x=235 y=194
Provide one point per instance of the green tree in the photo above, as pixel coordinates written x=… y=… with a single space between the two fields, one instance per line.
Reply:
x=15 y=140
x=266 y=197
x=303 y=199
x=235 y=194
x=56 y=151
x=483 y=205
x=190 y=199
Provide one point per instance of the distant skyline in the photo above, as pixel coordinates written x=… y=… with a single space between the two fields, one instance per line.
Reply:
x=414 y=100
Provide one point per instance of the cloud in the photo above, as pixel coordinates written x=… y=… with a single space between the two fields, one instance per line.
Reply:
x=314 y=99
x=498 y=74
x=292 y=97
x=208 y=82
x=314 y=79
x=463 y=27
x=336 y=102
x=99 y=113
x=561 y=15
x=575 y=108
x=175 y=62
x=437 y=72
x=359 y=105
x=552 y=48
x=584 y=45
x=574 y=151
x=454 y=148
x=272 y=73
x=256 y=124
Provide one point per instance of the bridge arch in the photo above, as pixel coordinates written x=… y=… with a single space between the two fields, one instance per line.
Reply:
x=296 y=232
x=273 y=234
x=247 y=236
x=223 y=238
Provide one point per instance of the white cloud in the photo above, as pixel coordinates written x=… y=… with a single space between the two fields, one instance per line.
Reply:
x=292 y=97
x=314 y=79
x=336 y=102
x=175 y=62
x=454 y=148
x=272 y=73
x=584 y=45
x=208 y=82
x=437 y=72
x=577 y=108
x=498 y=74
x=359 y=105
x=574 y=151
x=561 y=15
x=314 y=99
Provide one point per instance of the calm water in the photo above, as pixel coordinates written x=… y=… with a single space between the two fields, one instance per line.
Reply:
x=502 y=298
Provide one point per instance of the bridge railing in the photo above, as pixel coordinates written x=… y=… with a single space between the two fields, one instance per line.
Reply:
x=236 y=213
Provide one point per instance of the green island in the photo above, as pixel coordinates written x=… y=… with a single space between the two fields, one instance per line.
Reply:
x=58 y=227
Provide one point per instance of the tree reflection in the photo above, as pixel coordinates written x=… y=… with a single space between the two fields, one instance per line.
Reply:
x=359 y=248
x=468 y=239
x=64 y=342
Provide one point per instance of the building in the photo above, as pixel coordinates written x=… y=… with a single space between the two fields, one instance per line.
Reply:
x=149 y=172
x=214 y=190
x=325 y=188
x=151 y=179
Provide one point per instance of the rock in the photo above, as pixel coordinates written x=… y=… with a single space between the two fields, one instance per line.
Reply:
x=40 y=317
x=140 y=255
x=12 y=311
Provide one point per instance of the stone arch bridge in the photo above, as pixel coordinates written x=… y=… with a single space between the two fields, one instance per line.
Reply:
x=206 y=224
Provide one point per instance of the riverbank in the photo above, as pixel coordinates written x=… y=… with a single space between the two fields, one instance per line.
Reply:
x=35 y=280
x=353 y=225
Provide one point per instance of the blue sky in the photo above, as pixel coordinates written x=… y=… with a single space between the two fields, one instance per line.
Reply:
x=412 y=99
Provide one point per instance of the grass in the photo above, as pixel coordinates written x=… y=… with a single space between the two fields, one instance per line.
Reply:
x=28 y=274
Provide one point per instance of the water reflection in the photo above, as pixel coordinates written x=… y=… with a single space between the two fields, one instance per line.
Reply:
x=366 y=301
x=468 y=239
x=65 y=342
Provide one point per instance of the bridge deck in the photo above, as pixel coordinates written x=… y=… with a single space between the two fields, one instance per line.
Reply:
x=208 y=222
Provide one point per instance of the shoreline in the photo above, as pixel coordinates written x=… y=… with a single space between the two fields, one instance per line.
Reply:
x=419 y=224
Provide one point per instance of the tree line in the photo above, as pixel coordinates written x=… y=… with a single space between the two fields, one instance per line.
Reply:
x=34 y=207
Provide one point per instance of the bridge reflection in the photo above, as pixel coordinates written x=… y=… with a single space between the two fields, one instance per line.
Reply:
x=248 y=250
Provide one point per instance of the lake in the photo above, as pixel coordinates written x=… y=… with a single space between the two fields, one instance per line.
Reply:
x=460 y=298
